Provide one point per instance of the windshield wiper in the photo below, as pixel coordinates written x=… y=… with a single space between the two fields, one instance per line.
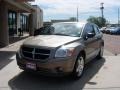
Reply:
x=61 y=34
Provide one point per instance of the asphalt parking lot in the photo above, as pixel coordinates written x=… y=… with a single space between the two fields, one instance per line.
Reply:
x=112 y=43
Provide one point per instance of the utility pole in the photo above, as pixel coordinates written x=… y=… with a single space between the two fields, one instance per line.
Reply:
x=118 y=17
x=102 y=8
x=77 y=14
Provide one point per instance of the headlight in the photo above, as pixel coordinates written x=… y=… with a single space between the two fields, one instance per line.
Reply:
x=64 y=52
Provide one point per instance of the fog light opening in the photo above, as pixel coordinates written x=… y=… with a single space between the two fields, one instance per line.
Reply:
x=59 y=69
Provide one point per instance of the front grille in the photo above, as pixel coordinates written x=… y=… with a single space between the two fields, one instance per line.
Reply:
x=35 y=53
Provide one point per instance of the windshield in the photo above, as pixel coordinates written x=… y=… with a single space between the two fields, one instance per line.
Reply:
x=67 y=29
x=64 y=29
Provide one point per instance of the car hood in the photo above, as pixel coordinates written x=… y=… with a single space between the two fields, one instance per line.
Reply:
x=50 y=40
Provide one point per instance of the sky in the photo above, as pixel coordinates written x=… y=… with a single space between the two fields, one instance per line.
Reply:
x=64 y=9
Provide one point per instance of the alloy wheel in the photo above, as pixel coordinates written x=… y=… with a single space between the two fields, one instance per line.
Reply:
x=80 y=66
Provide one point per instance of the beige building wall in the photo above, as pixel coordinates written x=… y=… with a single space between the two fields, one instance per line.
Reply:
x=4 y=34
x=18 y=21
x=34 y=12
x=38 y=17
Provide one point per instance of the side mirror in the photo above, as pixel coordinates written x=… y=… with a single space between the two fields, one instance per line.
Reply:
x=36 y=32
x=90 y=35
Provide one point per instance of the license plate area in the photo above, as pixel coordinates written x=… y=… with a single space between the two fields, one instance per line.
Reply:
x=31 y=66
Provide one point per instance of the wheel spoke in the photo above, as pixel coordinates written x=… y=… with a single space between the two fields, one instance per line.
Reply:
x=101 y=52
x=80 y=66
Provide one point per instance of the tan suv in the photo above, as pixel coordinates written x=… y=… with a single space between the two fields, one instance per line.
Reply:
x=62 y=48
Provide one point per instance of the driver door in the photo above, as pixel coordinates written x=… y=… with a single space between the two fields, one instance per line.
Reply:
x=90 y=43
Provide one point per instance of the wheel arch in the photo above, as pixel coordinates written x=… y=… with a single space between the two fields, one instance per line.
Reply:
x=83 y=53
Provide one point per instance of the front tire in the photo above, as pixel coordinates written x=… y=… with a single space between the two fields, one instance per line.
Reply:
x=79 y=67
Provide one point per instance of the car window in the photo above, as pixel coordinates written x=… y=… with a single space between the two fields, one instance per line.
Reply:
x=97 y=31
x=89 y=29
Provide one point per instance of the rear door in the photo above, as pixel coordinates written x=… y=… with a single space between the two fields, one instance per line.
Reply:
x=98 y=38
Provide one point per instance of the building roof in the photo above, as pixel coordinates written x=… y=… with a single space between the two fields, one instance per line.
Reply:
x=36 y=6
x=24 y=0
x=20 y=6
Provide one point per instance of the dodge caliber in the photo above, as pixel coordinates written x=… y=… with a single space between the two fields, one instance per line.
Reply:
x=62 y=48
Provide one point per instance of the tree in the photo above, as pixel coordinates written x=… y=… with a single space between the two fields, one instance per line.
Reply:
x=97 y=20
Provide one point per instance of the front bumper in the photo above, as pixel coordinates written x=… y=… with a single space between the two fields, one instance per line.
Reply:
x=51 y=67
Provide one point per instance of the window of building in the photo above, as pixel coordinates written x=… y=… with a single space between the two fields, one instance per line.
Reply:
x=24 y=22
x=12 y=23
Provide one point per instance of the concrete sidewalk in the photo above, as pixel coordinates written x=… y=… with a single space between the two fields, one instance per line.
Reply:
x=101 y=74
x=108 y=77
x=13 y=47
x=7 y=52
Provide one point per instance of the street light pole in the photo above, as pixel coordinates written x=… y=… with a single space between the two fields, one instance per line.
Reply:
x=102 y=8
x=118 y=16
x=77 y=14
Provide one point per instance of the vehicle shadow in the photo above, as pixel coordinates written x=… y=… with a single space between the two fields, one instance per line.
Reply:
x=25 y=81
x=5 y=58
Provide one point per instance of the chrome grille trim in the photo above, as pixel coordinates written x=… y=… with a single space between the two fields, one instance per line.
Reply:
x=42 y=54
x=33 y=55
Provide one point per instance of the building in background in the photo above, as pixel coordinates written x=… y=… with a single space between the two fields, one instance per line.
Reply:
x=47 y=24
x=18 y=14
x=71 y=19
x=38 y=17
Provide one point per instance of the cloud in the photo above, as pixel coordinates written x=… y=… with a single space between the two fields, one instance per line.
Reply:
x=67 y=8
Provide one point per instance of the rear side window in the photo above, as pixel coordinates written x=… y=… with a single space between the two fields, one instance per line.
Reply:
x=89 y=29
x=97 y=31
